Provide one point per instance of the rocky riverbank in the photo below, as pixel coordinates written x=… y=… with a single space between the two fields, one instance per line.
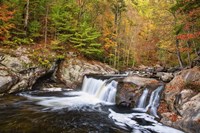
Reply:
x=19 y=73
x=179 y=105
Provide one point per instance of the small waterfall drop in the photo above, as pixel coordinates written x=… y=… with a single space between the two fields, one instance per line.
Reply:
x=153 y=101
x=143 y=98
x=105 y=90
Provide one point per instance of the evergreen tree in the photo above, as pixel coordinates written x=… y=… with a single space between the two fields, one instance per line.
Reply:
x=85 y=40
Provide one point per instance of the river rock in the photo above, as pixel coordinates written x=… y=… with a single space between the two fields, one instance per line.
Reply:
x=72 y=71
x=141 y=81
x=130 y=89
x=182 y=96
x=166 y=77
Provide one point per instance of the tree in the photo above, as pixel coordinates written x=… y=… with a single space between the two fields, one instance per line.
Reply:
x=188 y=28
x=5 y=25
x=85 y=40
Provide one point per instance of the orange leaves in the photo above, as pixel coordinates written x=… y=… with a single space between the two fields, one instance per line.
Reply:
x=188 y=36
x=5 y=16
x=173 y=117
x=109 y=44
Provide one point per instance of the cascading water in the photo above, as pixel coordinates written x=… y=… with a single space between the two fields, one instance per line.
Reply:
x=142 y=100
x=153 y=101
x=105 y=90
x=80 y=104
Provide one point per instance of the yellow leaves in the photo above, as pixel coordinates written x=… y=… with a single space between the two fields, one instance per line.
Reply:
x=109 y=44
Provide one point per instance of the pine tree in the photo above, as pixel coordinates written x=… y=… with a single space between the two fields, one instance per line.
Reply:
x=85 y=40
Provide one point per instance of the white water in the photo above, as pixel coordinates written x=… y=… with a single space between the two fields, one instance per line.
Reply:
x=153 y=101
x=72 y=101
x=127 y=121
x=104 y=90
x=96 y=91
x=142 y=100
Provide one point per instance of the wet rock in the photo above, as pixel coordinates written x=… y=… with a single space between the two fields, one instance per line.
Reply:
x=71 y=72
x=127 y=94
x=130 y=89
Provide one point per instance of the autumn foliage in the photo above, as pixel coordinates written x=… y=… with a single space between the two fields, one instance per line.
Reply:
x=5 y=16
x=122 y=33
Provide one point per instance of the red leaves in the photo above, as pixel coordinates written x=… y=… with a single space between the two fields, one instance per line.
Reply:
x=173 y=117
x=5 y=14
x=188 y=36
x=5 y=26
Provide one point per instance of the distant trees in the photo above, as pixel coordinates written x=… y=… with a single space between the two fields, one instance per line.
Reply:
x=187 y=28
x=122 y=33
x=6 y=15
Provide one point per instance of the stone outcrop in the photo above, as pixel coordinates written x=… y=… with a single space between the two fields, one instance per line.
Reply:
x=17 y=72
x=130 y=89
x=7 y=79
x=72 y=71
x=182 y=96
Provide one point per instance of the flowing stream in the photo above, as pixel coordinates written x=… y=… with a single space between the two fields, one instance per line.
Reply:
x=91 y=110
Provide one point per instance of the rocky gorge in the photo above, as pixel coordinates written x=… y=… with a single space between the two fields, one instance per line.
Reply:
x=179 y=106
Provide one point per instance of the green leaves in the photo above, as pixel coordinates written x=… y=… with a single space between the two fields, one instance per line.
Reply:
x=85 y=40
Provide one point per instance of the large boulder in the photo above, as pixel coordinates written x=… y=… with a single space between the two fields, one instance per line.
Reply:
x=18 y=72
x=27 y=79
x=131 y=87
x=141 y=81
x=182 y=96
x=72 y=71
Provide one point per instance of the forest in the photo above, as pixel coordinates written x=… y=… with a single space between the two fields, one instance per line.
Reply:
x=121 y=33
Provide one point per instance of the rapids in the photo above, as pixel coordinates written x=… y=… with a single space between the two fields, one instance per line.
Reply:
x=90 y=110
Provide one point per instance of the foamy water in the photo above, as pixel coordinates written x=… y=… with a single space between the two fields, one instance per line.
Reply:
x=79 y=100
x=127 y=121
x=74 y=100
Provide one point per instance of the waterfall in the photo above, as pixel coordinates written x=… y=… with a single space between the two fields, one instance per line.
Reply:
x=105 y=90
x=153 y=101
x=142 y=100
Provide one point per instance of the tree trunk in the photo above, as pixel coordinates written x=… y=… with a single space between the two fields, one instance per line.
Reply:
x=178 y=54
x=46 y=25
x=26 y=16
x=188 y=54
x=115 y=58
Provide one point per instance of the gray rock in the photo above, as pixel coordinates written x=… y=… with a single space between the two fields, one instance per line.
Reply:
x=140 y=81
x=166 y=77
x=71 y=72
x=7 y=79
x=17 y=73
x=182 y=95
x=131 y=87
x=13 y=63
